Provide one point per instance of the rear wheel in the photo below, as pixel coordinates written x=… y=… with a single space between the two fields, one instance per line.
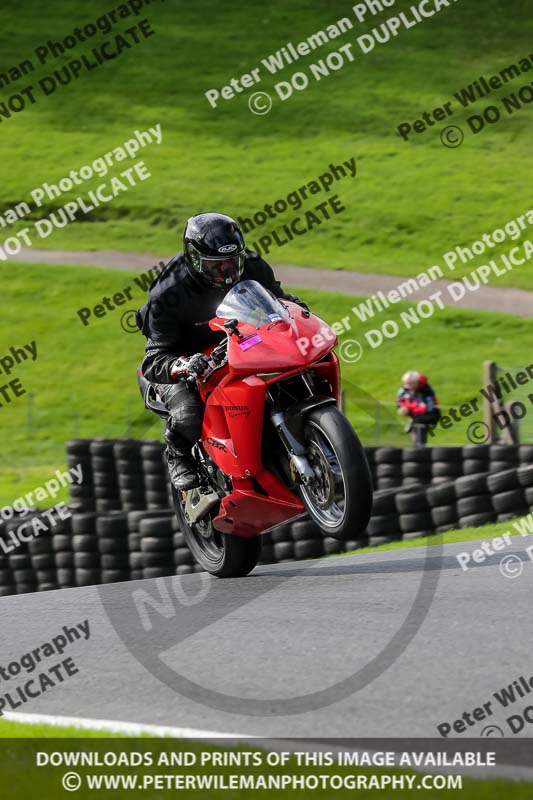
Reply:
x=224 y=555
x=339 y=499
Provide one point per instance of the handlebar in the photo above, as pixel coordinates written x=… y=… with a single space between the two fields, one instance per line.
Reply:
x=216 y=358
x=220 y=352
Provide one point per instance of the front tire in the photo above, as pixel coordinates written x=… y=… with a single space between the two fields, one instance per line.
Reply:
x=224 y=555
x=339 y=500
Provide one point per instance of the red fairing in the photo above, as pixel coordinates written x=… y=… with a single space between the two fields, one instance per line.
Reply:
x=282 y=345
x=235 y=405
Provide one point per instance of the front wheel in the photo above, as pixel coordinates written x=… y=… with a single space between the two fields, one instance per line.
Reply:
x=339 y=499
x=223 y=555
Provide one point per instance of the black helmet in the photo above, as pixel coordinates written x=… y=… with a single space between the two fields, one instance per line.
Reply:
x=213 y=245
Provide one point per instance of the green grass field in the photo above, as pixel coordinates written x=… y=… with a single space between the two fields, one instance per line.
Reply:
x=450 y=537
x=18 y=771
x=411 y=201
x=83 y=382
x=19 y=730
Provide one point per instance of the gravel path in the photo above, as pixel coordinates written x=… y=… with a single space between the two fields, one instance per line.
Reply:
x=487 y=298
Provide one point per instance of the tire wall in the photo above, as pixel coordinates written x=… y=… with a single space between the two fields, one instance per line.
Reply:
x=122 y=526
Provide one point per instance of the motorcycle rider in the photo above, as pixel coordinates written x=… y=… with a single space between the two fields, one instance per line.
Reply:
x=181 y=301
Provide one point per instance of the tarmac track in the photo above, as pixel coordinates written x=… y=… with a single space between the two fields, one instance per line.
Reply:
x=295 y=649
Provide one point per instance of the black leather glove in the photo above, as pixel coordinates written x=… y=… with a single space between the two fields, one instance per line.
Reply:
x=192 y=367
x=197 y=364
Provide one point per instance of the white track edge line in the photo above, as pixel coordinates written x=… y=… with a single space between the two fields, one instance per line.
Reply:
x=117 y=726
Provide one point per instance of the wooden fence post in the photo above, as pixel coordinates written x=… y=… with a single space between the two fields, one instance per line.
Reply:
x=509 y=433
x=490 y=370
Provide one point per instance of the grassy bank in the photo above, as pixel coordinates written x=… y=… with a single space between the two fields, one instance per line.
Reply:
x=410 y=202
x=450 y=537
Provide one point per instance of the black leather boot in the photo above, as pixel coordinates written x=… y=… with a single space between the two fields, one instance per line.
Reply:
x=181 y=469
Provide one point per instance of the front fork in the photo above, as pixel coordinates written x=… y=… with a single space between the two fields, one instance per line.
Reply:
x=289 y=424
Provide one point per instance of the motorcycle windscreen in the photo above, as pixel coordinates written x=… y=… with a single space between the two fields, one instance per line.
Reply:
x=250 y=302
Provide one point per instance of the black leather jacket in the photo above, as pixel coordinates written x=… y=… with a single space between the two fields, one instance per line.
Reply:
x=175 y=318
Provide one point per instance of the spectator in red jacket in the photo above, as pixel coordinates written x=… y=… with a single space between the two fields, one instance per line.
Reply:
x=416 y=399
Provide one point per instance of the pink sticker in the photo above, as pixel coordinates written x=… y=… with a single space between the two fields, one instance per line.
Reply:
x=251 y=341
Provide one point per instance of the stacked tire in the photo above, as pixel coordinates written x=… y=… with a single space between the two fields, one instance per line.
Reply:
x=416 y=466
x=307 y=538
x=29 y=565
x=446 y=463
x=85 y=551
x=525 y=454
x=81 y=494
x=334 y=546
x=443 y=503
x=388 y=467
x=113 y=547
x=503 y=457
x=43 y=563
x=474 y=502
x=157 y=546
x=267 y=549
x=156 y=481
x=414 y=513
x=21 y=561
x=283 y=543
x=62 y=545
x=130 y=476
x=7 y=579
x=134 y=539
x=20 y=565
x=476 y=458
x=123 y=526
x=184 y=563
x=384 y=525
x=106 y=490
x=508 y=492
x=525 y=479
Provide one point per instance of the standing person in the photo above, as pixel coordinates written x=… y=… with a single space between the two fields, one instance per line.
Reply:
x=416 y=399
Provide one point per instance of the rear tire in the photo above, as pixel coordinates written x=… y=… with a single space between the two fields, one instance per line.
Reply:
x=224 y=555
x=340 y=502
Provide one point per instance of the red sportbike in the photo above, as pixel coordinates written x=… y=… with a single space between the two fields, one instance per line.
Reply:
x=274 y=443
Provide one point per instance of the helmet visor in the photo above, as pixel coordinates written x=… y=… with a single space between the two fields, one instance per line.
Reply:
x=222 y=271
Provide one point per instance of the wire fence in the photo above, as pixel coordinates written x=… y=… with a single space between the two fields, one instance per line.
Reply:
x=378 y=424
